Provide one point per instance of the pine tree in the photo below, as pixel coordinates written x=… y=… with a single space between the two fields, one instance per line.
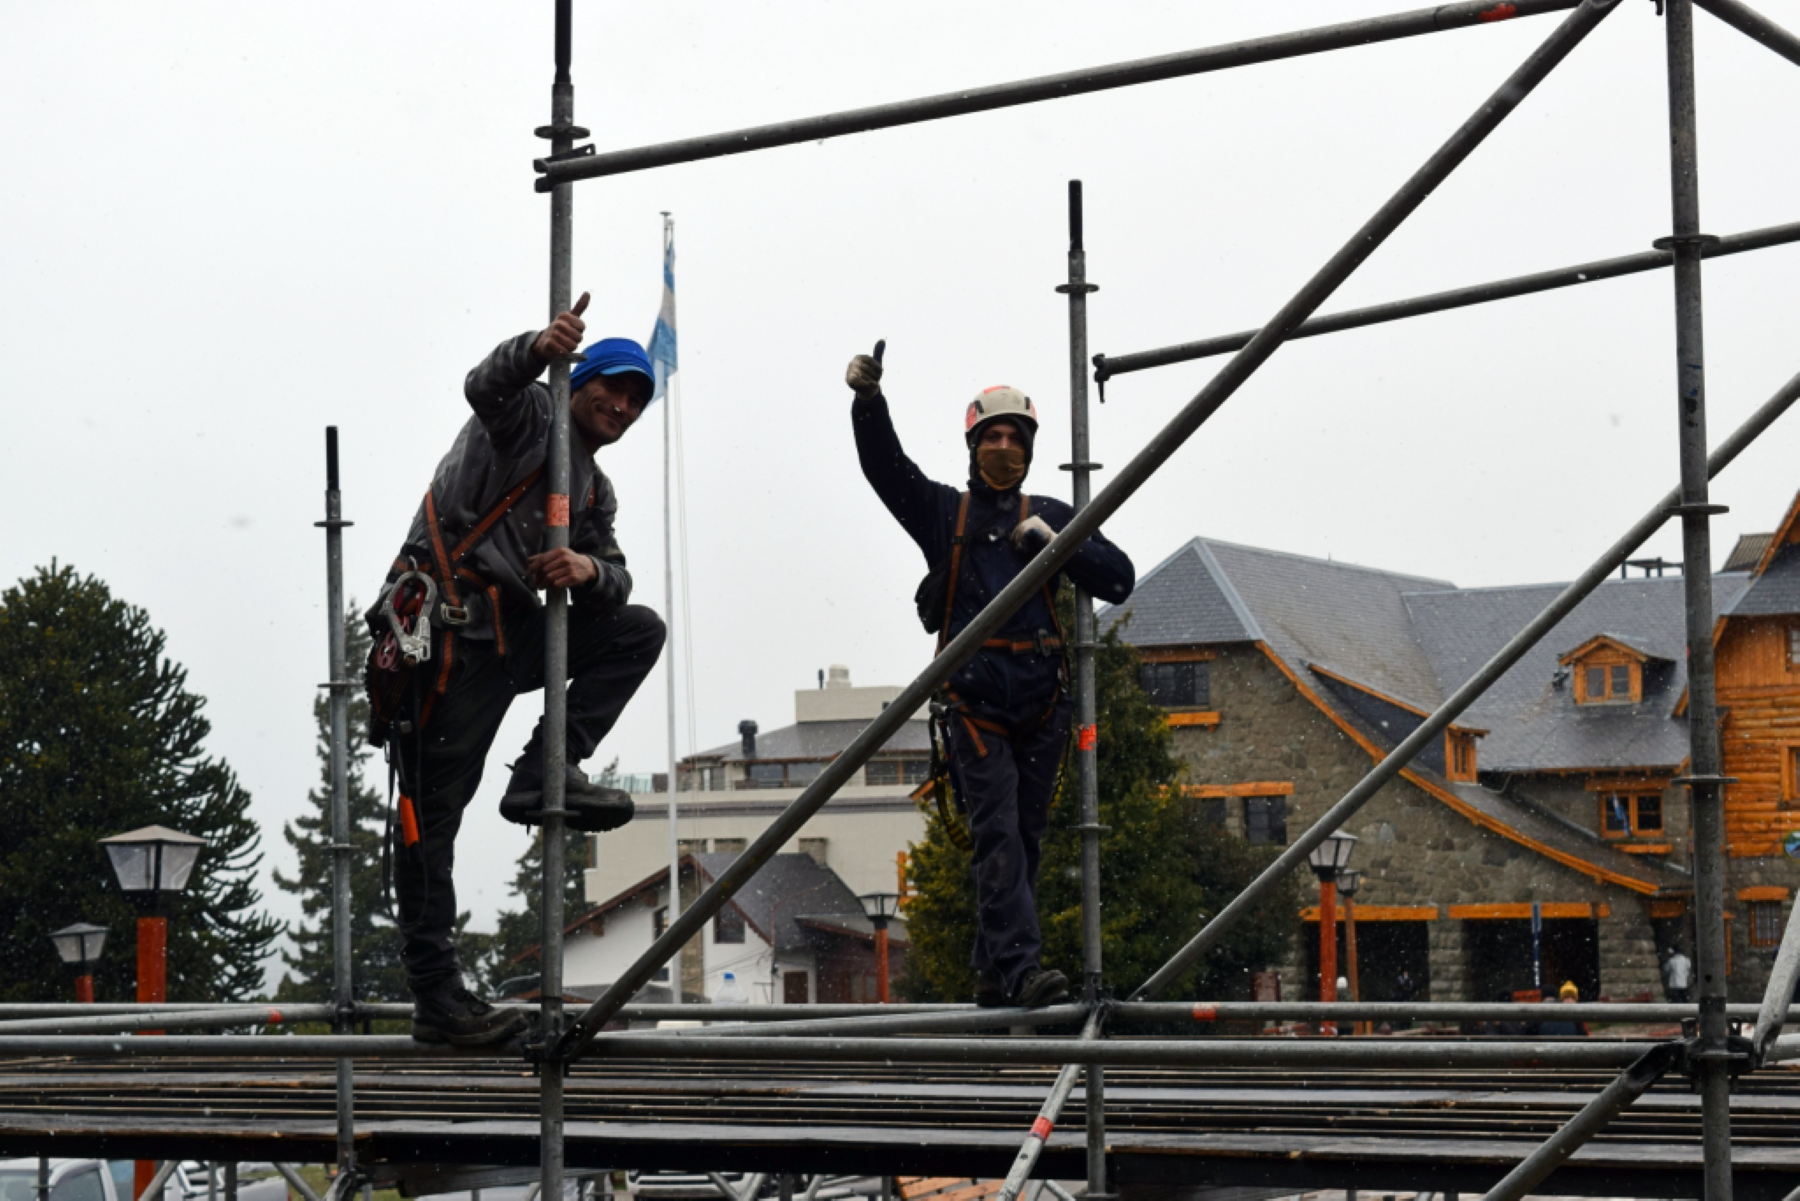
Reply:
x=1163 y=869
x=374 y=940
x=99 y=735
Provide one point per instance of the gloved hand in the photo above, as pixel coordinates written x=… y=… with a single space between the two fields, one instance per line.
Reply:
x=1032 y=535
x=864 y=376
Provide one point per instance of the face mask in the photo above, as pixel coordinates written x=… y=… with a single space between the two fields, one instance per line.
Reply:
x=1001 y=466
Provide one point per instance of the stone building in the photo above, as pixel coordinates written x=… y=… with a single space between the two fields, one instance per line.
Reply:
x=1287 y=678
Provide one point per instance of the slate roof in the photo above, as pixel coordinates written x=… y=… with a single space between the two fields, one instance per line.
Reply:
x=1416 y=640
x=789 y=888
x=1545 y=827
x=1776 y=590
x=1347 y=618
x=810 y=740
x=1747 y=553
x=1534 y=722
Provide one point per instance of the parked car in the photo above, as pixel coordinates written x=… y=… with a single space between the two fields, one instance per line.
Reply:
x=70 y=1180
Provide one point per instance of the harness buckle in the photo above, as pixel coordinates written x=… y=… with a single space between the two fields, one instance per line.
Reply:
x=1042 y=640
x=453 y=615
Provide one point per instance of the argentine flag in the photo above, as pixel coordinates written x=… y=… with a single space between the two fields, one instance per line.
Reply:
x=662 y=339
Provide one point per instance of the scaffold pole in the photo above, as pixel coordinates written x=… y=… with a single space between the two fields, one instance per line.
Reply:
x=562 y=133
x=343 y=985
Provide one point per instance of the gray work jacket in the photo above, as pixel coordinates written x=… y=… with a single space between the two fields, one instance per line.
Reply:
x=504 y=442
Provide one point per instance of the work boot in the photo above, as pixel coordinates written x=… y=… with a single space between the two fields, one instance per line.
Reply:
x=456 y=1016
x=592 y=808
x=988 y=993
x=1038 y=988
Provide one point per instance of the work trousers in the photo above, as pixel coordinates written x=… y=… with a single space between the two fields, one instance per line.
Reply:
x=610 y=653
x=1007 y=784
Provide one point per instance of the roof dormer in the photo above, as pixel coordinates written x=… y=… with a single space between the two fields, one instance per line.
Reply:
x=1607 y=670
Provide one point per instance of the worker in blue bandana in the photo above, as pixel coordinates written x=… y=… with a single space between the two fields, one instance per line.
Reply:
x=469 y=578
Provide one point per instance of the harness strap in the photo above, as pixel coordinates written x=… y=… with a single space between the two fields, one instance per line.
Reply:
x=500 y=509
x=1021 y=647
x=956 y=545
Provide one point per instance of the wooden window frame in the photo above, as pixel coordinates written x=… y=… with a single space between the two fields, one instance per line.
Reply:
x=1632 y=828
x=1605 y=660
x=1459 y=756
x=1790 y=771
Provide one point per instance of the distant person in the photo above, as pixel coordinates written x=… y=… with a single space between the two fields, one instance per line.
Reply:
x=472 y=566
x=1568 y=994
x=1006 y=709
x=1404 y=992
x=1678 y=976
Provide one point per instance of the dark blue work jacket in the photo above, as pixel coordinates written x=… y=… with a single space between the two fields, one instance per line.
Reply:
x=1015 y=685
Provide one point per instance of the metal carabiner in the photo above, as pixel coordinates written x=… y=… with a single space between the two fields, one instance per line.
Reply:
x=415 y=645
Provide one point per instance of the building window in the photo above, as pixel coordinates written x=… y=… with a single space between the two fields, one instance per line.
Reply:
x=728 y=925
x=1210 y=811
x=1176 y=685
x=659 y=922
x=730 y=846
x=1790 y=773
x=1625 y=814
x=1794 y=648
x=766 y=775
x=1459 y=755
x=815 y=849
x=1265 y=820
x=1765 y=923
x=896 y=771
x=1607 y=684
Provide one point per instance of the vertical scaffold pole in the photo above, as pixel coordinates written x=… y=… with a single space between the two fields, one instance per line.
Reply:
x=343 y=991
x=562 y=133
x=669 y=646
x=1705 y=781
x=1086 y=738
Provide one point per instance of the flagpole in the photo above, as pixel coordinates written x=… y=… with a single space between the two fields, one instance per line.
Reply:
x=669 y=594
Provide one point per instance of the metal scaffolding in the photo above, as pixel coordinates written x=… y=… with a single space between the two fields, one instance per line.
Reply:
x=1708 y=1055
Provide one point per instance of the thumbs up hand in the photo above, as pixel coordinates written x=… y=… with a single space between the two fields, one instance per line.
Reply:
x=864 y=373
x=564 y=334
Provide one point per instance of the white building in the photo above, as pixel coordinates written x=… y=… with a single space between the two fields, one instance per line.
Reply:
x=729 y=794
x=796 y=933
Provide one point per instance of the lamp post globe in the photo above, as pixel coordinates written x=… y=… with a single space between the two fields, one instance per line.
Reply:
x=79 y=946
x=1330 y=858
x=153 y=865
x=880 y=907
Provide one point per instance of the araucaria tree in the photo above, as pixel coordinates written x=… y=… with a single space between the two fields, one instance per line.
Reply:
x=377 y=974
x=1164 y=867
x=99 y=735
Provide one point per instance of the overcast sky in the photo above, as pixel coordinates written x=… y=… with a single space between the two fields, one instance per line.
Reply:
x=225 y=226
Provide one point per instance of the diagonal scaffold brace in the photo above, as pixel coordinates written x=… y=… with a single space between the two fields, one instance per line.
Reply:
x=1574 y=28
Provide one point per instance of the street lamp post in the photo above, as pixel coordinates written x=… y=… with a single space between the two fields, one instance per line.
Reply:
x=1347 y=884
x=1328 y=859
x=881 y=907
x=152 y=864
x=79 y=947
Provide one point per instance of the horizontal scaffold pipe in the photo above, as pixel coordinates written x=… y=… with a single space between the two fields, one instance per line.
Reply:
x=1045 y=87
x=704 y=1013
x=1051 y=559
x=1465 y=695
x=884 y=1023
x=186 y=1019
x=1423 y=1011
x=1048 y=1052
x=1747 y=20
x=1108 y=366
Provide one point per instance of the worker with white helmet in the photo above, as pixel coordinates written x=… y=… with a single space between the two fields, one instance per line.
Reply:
x=1006 y=711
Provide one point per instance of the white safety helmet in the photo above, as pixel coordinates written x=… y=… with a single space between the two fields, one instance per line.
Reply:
x=999 y=401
